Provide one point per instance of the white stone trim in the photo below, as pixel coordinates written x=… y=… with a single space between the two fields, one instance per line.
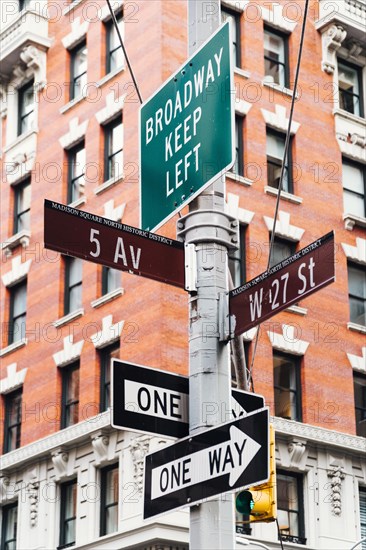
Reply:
x=74 y=4
x=356 y=253
x=274 y=86
x=358 y=363
x=350 y=220
x=242 y=107
x=277 y=19
x=278 y=120
x=20 y=157
x=107 y=297
x=70 y=352
x=75 y=134
x=104 y=13
x=235 y=5
x=109 y=183
x=242 y=72
x=250 y=334
x=13 y=380
x=332 y=37
x=298 y=310
x=79 y=202
x=288 y=341
x=20 y=238
x=283 y=227
x=284 y=195
x=70 y=104
x=13 y=347
x=112 y=107
x=109 y=76
x=110 y=332
x=356 y=328
x=233 y=208
x=77 y=34
x=112 y=212
x=69 y=317
x=239 y=179
x=351 y=135
x=18 y=272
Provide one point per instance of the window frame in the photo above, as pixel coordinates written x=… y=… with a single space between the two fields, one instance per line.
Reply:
x=105 y=385
x=71 y=179
x=357 y=266
x=12 y=319
x=237 y=17
x=9 y=400
x=239 y=146
x=362 y=502
x=21 y=116
x=68 y=287
x=4 y=524
x=17 y=214
x=105 y=270
x=360 y=380
x=66 y=407
x=279 y=240
x=300 y=538
x=286 y=64
x=275 y=161
x=362 y=169
x=63 y=519
x=109 y=27
x=296 y=360
x=358 y=71
x=108 y=143
x=103 y=497
x=73 y=77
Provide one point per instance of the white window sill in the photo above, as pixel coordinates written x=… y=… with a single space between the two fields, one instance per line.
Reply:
x=350 y=116
x=20 y=238
x=297 y=309
x=72 y=6
x=350 y=220
x=20 y=139
x=241 y=72
x=109 y=183
x=281 y=89
x=356 y=328
x=71 y=103
x=109 y=76
x=14 y=346
x=284 y=195
x=239 y=179
x=107 y=297
x=78 y=202
x=69 y=317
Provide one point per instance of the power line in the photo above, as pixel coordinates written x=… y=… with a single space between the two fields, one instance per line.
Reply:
x=283 y=167
x=124 y=49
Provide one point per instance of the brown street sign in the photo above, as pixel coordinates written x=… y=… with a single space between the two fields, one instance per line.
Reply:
x=113 y=244
x=284 y=284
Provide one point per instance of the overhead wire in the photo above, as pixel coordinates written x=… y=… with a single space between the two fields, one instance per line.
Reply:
x=283 y=168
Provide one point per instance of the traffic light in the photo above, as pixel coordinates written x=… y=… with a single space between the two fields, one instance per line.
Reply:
x=259 y=502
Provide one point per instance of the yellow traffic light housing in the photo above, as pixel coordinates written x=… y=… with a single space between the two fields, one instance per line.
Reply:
x=259 y=502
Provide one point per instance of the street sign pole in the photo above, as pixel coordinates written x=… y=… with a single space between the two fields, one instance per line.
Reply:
x=211 y=523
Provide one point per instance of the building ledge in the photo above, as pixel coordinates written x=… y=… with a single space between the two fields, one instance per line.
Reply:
x=284 y=195
x=278 y=88
x=107 y=298
x=242 y=72
x=79 y=202
x=74 y=4
x=13 y=347
x=239 y=179
x=351 y=15
x=20 y=238
x=350 y=220
x=69 y=317
x=110 y=76
x=109 y=183
x=298 y=310
x=356 y=327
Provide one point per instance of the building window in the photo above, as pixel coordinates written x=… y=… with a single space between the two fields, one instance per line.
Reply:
x=359 y=384
x=275 y=155
x=68 y=514
x=78 y=77
x=25 y=108
x=354 y=188
x=114 y=58
x=23 y=4
x=238 y=167
x=18 y=311
x=76 y=172
x=13 y=420
x=276 y=58
x=290 y=507
x=357 y=293
x=237 y=265
x=363 y=515
x=9 y=527
x=282 y=249
x=70 y=395
x=22 y=202
x=109 y=500
x=73 y=284
x=287 y=386
x=111 y=279
x=106 y=355
x=113 y=161
x=350 y=88
x=234 y=19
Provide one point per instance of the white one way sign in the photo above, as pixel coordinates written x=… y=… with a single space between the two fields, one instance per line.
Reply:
x=221 y=459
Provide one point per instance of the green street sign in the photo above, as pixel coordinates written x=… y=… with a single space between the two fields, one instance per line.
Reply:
x=187 y=132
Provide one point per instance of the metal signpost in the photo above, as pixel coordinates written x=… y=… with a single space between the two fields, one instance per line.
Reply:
x=113 y=244
x=225 y=458
x=154 y=401
x=284 y=284
x=186 y=132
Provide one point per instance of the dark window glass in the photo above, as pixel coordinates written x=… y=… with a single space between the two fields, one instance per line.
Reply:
x=114 y=49
x=9 y=527
x=282 y=249
x=360 y=403
x=276 y=58
x=73 y=284
x=234 y=18
x=363 y=515
x=290 y=507
x=238 y=167
x=25 y=108
x=357 y=293
x=287 y=387
x=68 y=514
x=22 y=202
x=13 y=420
x=354 y=188
x=109 y=500
x=237 y=265
x=275 y=154
x=105 y=355
x=76 y=173
x=350 y=88
x=79 y=63
x=111 y=279
x=70 y=395
x=18 y=311
x=113 y=166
